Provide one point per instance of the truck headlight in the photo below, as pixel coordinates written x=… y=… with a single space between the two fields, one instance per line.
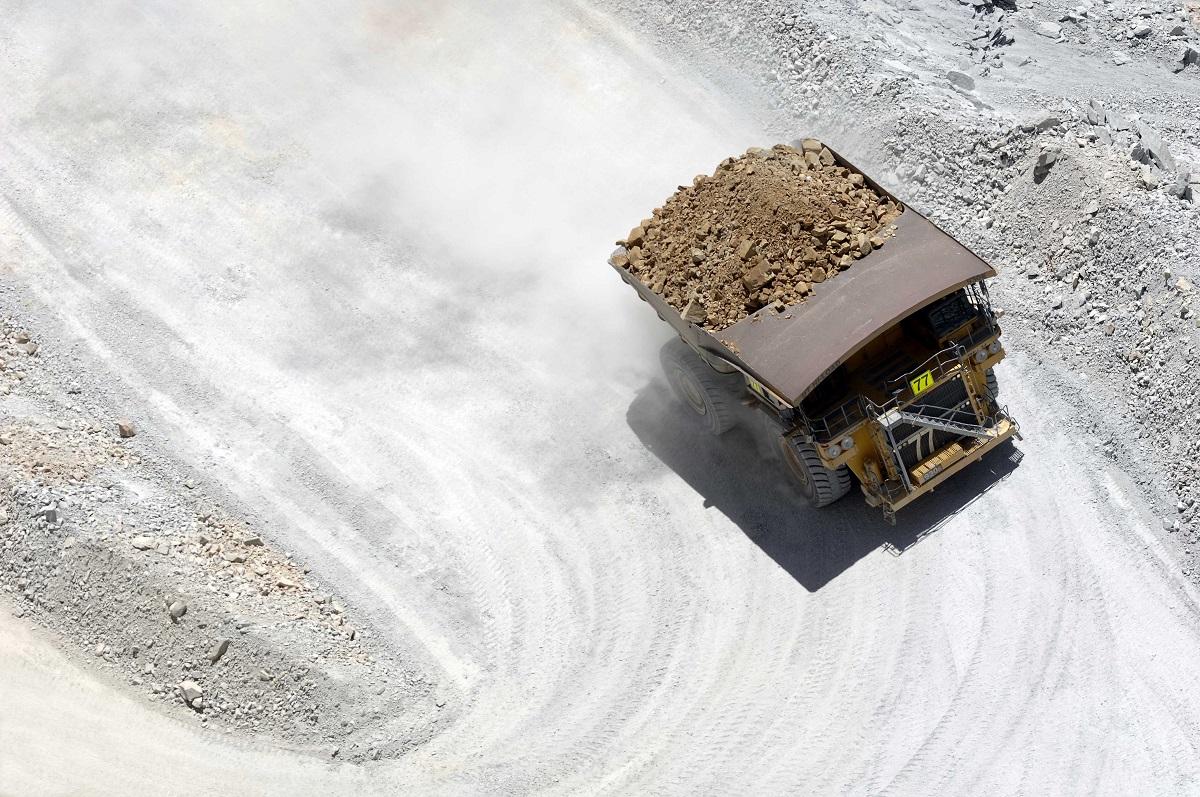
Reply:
x=834 y=451
x=995 y=347
x=981 y=355
x=847 y=443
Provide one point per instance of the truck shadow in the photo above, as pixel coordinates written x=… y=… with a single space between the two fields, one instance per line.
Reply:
x=739 y=476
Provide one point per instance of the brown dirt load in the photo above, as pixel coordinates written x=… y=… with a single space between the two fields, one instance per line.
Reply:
x=760 y=231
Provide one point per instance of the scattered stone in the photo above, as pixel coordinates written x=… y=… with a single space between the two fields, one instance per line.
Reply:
x=1190 y=56
x=1046 y=158
x=177 y=609
x=253 y=540
x=125 y=428
x=1153 y=146
x=1043 y=122
x=233 y=557
x=218 y=650
x=961 y=80
x=143 y=543
x=694 y=312
x=190 y=691
x=1148 y=177
x=757 y=277
x=1179 y=187
x=1050 y=30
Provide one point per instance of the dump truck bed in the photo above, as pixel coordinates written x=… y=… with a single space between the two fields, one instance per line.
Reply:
x=791 y=352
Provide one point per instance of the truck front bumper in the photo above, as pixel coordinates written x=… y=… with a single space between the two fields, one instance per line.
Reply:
x=949 y=461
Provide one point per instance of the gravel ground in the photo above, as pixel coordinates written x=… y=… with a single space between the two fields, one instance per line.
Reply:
x=413 y=376
x=109 y=544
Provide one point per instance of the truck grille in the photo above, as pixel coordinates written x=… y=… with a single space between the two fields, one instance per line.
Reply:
x=938 y=402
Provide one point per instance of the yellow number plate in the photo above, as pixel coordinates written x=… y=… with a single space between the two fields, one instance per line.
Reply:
x=921 y=383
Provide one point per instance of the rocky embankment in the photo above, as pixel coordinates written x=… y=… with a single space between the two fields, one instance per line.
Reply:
x=140 y=569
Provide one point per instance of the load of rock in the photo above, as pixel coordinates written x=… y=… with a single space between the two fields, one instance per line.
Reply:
x=761 y=231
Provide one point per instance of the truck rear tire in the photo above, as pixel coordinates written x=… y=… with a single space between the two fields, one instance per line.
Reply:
x=706 y=392
x=993 y=384
x=820 y=485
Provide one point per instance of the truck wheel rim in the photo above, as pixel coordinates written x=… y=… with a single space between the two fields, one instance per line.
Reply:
x=796 y=466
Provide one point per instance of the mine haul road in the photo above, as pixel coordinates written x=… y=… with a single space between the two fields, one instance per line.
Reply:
x=350 y=262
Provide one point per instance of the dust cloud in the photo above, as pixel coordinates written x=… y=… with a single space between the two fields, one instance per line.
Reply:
x=512 y=160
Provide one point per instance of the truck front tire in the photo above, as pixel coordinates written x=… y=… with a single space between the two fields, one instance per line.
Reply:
x=993 y=385
x=698 y=386
x=820 y=485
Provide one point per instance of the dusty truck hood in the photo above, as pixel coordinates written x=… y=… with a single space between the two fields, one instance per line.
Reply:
x=791 y=352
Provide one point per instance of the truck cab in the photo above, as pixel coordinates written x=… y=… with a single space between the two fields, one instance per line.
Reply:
x=914 y=406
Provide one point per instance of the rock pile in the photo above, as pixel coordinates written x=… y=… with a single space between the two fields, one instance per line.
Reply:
x=104 y=541
x=1127 y=31
x=761 y=231
x=991 y=33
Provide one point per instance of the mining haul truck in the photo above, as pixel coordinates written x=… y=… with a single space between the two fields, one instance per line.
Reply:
x=884 y=375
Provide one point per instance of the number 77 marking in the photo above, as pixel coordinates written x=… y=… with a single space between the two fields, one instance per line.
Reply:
x=921 y=383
